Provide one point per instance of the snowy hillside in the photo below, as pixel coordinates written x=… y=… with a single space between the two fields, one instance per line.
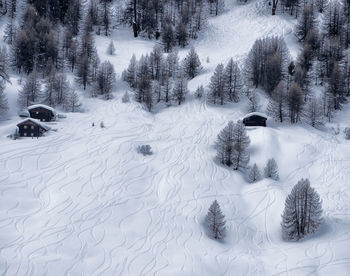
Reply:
x=82 y=201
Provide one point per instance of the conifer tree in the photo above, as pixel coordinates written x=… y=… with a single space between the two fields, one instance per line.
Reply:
x=232 y=81
x=216 y=93
x=302 y=214
x=192 y=65
x=31 y=91
x=271 y=169
x=3 y=101
x=111 y=49
x=215 y=220
x=180 y=90
x=240 y=153
x=254 y=174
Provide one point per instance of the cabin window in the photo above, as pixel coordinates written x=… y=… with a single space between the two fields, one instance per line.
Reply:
x=25 y=134
x=37 y=112
x=32 y=127
x=32 y=134
x=25 y=127
x=43 y=120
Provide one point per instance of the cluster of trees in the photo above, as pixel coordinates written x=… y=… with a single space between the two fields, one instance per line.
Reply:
x=270 y=171
x=226 y=84
x=159 y=78
x=302 y=215
x=323 y=62
x=175 y=22
x=55 y=91
x=50 y=37
x=232 y=146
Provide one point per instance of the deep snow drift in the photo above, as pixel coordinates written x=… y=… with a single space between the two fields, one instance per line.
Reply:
x=82 y=201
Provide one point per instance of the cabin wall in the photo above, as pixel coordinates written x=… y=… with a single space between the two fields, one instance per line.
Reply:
x=254 y=121
x=29 y=130
x=41 y=114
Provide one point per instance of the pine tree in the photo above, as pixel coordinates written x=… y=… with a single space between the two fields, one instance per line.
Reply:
x=232 y=81
x=302 y=213
x=31 y=91
x=225 y=144
x=306 y=22
x=277 y=106
x=3 y=101
x=216 y=93
x=106 y=79
x=295 y=103
x=254 y=174
x=72 y=103
x=215 y=220
x=180 y=90
x=271 y=169
x=111 y=49
x=253 y=102
x=192 y=65
x=314 y=112
x=84 y=71
x=240 y=153
x=130 y=74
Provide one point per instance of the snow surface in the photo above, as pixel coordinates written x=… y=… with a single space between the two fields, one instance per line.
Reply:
x=82 y=201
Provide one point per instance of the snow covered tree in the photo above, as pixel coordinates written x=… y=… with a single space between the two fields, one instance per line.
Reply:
x=271 y=169
x=306 y=22
x=31 y=91
x=254 y=174
x=302 y=213
x=130 y=74
x=225 y=144
x=143 y=78
x=232 y=145
x=3 y=101
x=336 y=87
x=215 y=220
x=191 y=64
x=111 y=49
x=84 y=71
x=105 y=79
x=180 y=90
x=313 y=112
x=267 y=62
x=240 y=153
x=10 y=31
x=232 y=81
x=295 y=103
x=72 y=103
x=253 y=102
x=277 y=108
x=167 y=35
x=126 y=97
x=216 y=93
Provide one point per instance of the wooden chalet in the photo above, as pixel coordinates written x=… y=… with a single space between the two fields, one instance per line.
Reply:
x=31 y=128
x=42 y=112
x=255 y=119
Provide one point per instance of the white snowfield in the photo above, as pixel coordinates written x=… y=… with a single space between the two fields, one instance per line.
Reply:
x=82 y=201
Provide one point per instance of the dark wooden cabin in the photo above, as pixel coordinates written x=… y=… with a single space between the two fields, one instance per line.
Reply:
x=255 y=119
x=42 y=112
x=31 y=128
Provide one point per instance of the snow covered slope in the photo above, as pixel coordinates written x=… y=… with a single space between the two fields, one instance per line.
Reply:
x=82 y=201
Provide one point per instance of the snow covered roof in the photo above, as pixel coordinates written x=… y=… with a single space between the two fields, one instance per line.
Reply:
x=35 y=122
x=24 y=113
x=255 y=114
x=43 y=106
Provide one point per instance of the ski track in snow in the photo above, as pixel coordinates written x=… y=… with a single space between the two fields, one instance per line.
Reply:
x=82 y=201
